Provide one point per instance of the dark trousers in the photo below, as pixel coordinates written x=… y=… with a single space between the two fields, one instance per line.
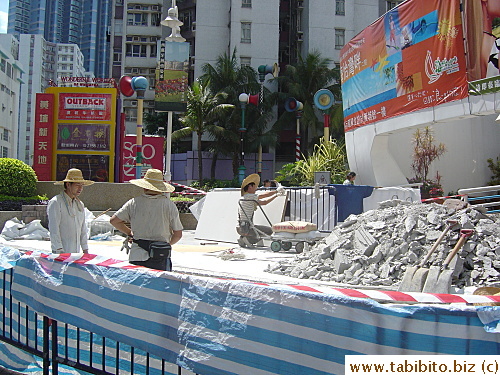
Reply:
x=161 y=264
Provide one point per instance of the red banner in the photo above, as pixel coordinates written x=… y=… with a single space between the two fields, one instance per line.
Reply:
x=44 y=122
x=152 y=156
x=75 y=106
x=411 y=58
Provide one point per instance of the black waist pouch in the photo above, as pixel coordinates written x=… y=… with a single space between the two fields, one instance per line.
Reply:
x=157 y=249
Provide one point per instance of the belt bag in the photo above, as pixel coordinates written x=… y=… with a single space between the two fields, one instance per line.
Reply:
x=156 y=249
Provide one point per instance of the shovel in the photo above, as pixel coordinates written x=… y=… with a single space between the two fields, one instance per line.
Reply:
x=414 y=277
x=439 y=278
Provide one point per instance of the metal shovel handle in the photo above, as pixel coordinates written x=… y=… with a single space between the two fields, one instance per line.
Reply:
x=464 y=234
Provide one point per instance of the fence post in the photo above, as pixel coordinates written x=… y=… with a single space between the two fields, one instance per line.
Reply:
x=46 y=341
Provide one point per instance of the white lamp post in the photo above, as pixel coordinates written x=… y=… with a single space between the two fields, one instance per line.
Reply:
x=173 y=22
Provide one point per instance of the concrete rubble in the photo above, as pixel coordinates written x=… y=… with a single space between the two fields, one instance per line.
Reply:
x=376 y=247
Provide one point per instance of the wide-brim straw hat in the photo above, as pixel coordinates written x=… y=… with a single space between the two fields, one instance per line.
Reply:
x=153 y=180
x=255 y=178
x=487 y=291
x=74 y=175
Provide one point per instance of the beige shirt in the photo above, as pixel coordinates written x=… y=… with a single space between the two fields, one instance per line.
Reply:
x=67 y=227
x=151 y=217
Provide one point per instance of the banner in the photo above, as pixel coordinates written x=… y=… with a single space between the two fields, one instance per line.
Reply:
x=152 y=155
x=44 y=119
x=171 y=76
x=411 y=58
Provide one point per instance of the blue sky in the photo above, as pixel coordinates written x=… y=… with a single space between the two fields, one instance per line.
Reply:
x=4 y=11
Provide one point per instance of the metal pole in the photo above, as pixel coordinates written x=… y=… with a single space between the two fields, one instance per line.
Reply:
x=326 y=129
x=241 y=169
x=168 y=158
x=138 y=150
x=297 y=138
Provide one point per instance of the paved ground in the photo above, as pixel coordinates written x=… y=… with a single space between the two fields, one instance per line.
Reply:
x=193 y=256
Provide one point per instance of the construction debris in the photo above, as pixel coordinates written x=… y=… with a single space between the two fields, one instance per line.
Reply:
x=376 y=247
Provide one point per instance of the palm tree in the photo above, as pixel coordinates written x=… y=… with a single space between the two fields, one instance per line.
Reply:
x=228 y=77
x=203 y=109
x=301 y=81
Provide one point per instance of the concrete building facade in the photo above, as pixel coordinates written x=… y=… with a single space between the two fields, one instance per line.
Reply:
x=11 y=79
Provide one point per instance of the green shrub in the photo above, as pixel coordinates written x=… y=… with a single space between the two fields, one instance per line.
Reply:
x=494 y=166
x=17 y=179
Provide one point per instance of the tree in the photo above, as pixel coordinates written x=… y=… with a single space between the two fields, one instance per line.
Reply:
x=425 y=151
x=228 y=77
x=301 y=81
x=203 y=107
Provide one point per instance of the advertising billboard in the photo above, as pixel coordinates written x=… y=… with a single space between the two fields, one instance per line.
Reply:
x=411 y=58
x=483 y=45
x=171 y=76
x=152 y=155
x=83 y=132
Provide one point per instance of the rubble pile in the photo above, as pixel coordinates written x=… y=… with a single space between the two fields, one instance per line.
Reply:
x=376 y=247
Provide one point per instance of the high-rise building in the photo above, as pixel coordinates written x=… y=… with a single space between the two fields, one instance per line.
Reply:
x=11 y=72
x=85 y=23
x=135 y=29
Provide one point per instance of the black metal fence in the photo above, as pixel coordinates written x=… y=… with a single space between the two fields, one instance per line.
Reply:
x=59 y=345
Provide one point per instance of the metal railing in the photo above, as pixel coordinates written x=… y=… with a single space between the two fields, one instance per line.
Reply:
x=60 y=345
x=486 y=196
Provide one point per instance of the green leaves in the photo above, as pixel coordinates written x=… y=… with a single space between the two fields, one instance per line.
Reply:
x=17 y=179
x=328 y=155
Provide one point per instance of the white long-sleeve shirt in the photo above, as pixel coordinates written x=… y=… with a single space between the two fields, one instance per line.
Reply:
x=67 y=227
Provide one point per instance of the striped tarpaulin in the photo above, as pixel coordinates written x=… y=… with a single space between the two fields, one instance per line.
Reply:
x=217 y=326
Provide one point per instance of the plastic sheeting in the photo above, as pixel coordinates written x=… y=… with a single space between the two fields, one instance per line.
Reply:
x=215 y=326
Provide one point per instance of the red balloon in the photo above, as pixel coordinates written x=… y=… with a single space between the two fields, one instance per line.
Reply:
x=125 y=86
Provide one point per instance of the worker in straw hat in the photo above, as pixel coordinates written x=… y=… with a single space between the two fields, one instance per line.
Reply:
x=154 y=222
x=248 y=204
x=66 y=212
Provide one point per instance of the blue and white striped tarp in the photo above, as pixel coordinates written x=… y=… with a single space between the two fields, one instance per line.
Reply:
x=214 y=326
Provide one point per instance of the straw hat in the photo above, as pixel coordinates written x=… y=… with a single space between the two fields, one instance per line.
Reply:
x=253 y=178
x=487 y=291
x=74 y=175
x=153 y=180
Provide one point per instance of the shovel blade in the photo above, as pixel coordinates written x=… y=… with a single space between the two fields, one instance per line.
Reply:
x=419 y=279
x=444 y=281
x=407 y=277
x=432 y=280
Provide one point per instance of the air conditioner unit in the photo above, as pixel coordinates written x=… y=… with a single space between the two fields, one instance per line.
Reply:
x=155 y=7
x=138 y=7
x=136 y=38
x=133 y=103
x=135 y=70
x=300 y=4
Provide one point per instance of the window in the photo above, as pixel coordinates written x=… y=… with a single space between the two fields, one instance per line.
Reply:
x=246 y=32
x=5 y=135
x=136 y=50
x=117 y=58
x=245 y=61
x=392 y=4
x=5 y=152
x=155 y=19
x=246 y=3
x=340 y=7
x=339 y=38
x=152 y=51
x=137 y=19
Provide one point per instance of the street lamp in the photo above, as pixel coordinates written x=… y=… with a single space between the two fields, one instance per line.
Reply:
x=263 y=71
x=323 y=100
x=127 y=87
x=139 y=84
x=175 y=24
x=243 y=98
x=293 y=105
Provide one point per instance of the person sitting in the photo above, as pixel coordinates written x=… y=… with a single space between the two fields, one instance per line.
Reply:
x=248 y=204
x=351 y=176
